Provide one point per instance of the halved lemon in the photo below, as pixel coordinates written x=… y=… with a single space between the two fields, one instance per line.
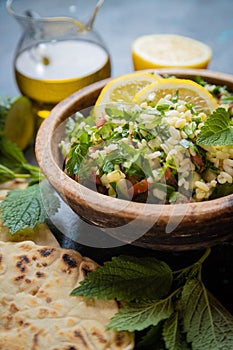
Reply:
x=123 y=89
x=168 y=50
x=188 y=91
x=17 y=120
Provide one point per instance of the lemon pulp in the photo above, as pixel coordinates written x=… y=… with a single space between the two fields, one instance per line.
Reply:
x=188 y=91
x=167 y=51
x=123 y=89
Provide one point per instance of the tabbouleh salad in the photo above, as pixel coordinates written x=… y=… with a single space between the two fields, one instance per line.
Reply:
x=154 y=153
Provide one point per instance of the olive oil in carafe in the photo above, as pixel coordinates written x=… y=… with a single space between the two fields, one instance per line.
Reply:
x=54 y=70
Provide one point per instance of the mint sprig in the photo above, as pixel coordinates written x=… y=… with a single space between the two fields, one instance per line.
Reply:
x=207 y=323
x=127 y=278
x=137 y=316
x=25 y=208
x=172 y=333
x=14 y=165
x=183 y=316
x=217 y=129
x=152 y=337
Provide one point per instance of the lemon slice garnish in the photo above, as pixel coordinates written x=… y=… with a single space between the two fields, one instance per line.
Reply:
x=123 y=89
x=167 y=51
x=188 y=91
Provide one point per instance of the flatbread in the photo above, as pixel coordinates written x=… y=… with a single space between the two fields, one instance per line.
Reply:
x=40 y=234
x=36 y=309
x=12 y=185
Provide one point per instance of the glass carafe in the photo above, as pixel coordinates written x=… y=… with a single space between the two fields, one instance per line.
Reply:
x=59 y=51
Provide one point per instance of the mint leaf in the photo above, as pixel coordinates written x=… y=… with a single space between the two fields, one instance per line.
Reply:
x=152 y=339
x=217 y=129
x=25 y=208
x=6 y=174
x=207 y=323
x=12 y=159
x=127 y=278
x=11 y=152
x=135 y=317
x=172 y=334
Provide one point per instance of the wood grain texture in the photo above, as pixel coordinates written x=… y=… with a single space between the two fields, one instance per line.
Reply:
x=160 y=227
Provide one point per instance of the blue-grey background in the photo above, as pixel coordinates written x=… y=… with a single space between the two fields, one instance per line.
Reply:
x=120 y=21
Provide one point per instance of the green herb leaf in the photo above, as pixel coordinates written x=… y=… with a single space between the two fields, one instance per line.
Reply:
x=114 y=112
x=5 y=102
x=200 y=81
x=135 y=316
x=163 y=107
x=6 y=174
x=126 y=112
x=14 y=165
x=217 y=130
x=127 y=278
x=222 y=190
x=11 y=152
x=227 y=99
x=25 y=208
x=34 y=171
x=76 y=158
x=152 y=339
x=206 y=322
x=175 y=97
x=172 y=335
x=107 y=130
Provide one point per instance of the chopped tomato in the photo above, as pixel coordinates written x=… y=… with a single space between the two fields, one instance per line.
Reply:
x=100 y=121
x=169 y=177
x=140 y=187
x=198 y=161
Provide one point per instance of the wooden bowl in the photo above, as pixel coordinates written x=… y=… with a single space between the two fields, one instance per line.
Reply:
x=160 y=227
